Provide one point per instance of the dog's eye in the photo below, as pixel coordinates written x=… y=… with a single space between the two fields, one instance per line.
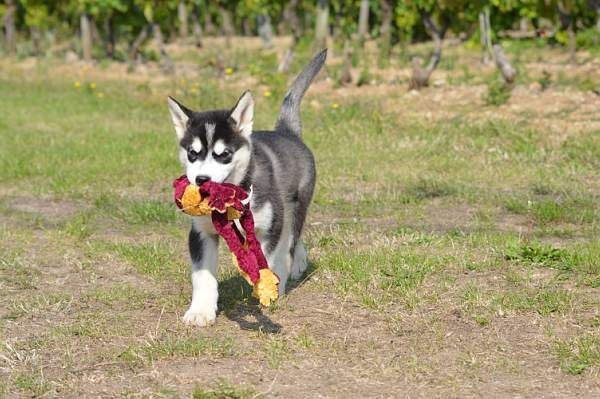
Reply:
x=225 y=154
x=223 y=157
x=192 y=155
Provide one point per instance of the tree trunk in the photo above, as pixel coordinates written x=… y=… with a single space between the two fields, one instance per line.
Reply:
x=135 y=46
x=286 y=61
x=226 y=24
x=182 y=15
x=96 y=37
x=322 y=24
x=524 y=25
x=265 y=30
x=290 y=16
x=385 y=31
x=246 y=28
x=346 y=72
x=485 y=36
x=196 y=27
x=166 y=62
x=10 y=37
x=595 y=4
x=506 y=69
x=209 y=26
x=420 y=76
x=363 y=20
x=567 y=22
x=109 y=28
x=572 y=44
x=86 y=37
x=36 y=39
x=336 y=27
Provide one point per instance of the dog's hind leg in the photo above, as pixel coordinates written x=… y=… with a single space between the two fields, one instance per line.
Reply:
x=203 y=251
x=279 y=259
x=297 y=249
x=299 y=261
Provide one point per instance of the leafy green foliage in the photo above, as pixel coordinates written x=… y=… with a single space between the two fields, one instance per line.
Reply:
x=125 y=19
x=535 y=252
x=582 y=260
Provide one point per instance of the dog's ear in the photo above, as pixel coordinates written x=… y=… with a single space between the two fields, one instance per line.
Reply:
x=180 y=116
x=242 y=115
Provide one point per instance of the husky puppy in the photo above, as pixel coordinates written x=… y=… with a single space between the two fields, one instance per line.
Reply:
x=275 y=166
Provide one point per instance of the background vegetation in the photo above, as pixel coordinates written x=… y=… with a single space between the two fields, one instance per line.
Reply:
x=117 y=28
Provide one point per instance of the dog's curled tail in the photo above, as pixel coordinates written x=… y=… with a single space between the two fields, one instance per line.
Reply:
x=289 y=114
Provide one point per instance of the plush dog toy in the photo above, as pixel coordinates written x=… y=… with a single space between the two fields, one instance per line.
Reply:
x=225 y=203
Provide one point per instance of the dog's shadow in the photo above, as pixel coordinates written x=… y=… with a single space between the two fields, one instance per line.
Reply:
x=237 y=304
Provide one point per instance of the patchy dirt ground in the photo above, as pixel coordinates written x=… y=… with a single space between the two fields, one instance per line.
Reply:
x=454 y=244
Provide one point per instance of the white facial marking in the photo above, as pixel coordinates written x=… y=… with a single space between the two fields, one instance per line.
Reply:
x=216 y=171
x=219 y=147
x=210 y=131
x=232 y=172
x=197 y=145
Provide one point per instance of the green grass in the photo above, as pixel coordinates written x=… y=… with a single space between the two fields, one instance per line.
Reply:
x=150 y=211
x=535 y=253
x=544 y=301
x=15 y=272
x=425 y=234
x=381 y=277
x=172 y=345
x=117 y=296
x=54 y=301
x=80 y=226
x=547 y=211
x=305 y=340
x=578 y=354
x=32 y=383
x=498 y=92
x=582 y=83
x=277 y=351
x=225 y=390
x=582 y=260
x=77 y=157
x=94 y=324
x=154 y=260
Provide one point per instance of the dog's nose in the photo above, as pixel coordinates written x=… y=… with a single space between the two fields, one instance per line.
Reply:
x=201 y=179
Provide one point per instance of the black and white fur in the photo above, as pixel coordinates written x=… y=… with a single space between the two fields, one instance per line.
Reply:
x=275 y=166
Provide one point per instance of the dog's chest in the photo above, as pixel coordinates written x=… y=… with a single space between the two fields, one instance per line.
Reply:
x=263 y=216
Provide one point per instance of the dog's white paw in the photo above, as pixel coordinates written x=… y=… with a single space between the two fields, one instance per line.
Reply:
x=200 y=317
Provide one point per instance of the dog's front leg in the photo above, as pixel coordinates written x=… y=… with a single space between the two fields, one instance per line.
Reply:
x=203 y=251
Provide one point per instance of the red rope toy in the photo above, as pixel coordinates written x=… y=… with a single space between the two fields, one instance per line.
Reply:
x=225 y=203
